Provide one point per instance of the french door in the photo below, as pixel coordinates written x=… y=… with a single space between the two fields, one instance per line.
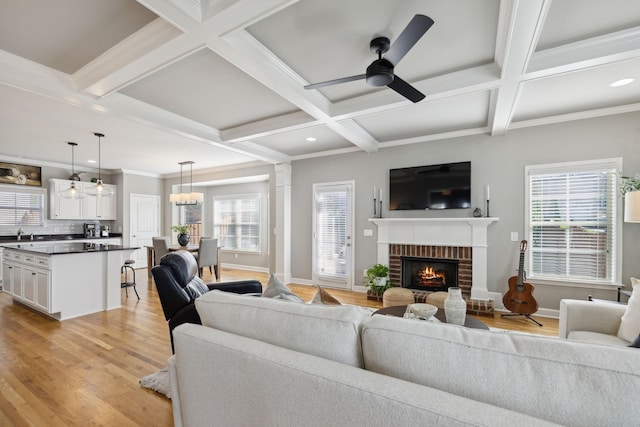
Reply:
x=332 y=234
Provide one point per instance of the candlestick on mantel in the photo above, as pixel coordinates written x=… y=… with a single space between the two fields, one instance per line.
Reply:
x=486 y=193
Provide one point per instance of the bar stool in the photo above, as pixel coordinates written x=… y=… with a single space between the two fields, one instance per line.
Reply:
x=124 y=270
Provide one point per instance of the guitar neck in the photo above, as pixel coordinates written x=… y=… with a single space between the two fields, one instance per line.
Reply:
x=521 y=270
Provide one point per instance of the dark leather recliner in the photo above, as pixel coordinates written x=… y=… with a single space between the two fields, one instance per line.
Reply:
x=178 y=285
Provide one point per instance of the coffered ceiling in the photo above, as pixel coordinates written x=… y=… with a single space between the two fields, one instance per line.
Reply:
x=221 y=82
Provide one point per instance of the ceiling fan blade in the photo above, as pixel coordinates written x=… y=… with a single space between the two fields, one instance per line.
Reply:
x=416 y=28
x=336 y=81
x=406 y=90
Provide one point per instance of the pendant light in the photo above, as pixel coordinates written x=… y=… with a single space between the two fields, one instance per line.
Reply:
x=189 y=198
x=73 y=192
x=99 y=189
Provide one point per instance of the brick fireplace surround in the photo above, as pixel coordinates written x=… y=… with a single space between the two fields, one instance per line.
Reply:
x=464 y=239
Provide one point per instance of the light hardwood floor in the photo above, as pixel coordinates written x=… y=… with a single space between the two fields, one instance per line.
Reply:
x=85 y=371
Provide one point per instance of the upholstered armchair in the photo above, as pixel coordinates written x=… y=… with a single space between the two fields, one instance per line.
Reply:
x=178 y=285
x=591 y=321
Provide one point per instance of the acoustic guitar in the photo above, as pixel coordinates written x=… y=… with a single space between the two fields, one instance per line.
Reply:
x=519 y=298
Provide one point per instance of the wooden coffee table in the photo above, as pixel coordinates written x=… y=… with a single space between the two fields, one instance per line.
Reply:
x=399 y=310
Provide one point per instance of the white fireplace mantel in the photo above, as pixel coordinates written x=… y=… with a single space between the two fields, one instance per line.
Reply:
x=466 y=232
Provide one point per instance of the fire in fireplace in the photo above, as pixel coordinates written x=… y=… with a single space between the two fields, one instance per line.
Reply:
x=429 y=274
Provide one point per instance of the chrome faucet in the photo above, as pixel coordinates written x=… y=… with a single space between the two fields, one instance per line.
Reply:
x=20 y=233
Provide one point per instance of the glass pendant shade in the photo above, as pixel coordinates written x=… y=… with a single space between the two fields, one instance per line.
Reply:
x=74 y=191
x=99 y=190
x=186 y=198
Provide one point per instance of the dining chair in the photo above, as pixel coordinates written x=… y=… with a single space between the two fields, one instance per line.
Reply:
x=160 y=248
x=208 y=255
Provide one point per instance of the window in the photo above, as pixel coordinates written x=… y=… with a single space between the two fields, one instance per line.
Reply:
x=23 y=207
x=191 y=215
x=571 y=221
x=236 y=222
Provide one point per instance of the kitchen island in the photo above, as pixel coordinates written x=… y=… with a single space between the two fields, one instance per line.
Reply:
x=64 y=279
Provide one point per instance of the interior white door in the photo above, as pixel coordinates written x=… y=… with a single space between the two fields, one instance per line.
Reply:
x=332 y=235
x=144 y=211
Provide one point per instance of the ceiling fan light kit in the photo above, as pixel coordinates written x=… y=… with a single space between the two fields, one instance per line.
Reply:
x=381 y=71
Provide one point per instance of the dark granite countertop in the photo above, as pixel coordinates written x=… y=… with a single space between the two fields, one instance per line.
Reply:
x=26 y=238
x=65 y=247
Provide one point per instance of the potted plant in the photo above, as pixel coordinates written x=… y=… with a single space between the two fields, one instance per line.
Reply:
x=377 y=281
x=183 y=233
x=629 y=184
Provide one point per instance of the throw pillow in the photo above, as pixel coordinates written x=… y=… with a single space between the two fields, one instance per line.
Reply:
x=276 y=289
x=324 y=297
x=636 y=342
x=630 y=321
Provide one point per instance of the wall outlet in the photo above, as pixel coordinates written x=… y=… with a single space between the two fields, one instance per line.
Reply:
x=235 y=256
x=368 y=232
x=514 y=236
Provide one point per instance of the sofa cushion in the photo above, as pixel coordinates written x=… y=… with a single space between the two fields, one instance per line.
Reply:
x=557 y=380
x=332 y=332
x=276 y=289
x=630 y=321
x=596 y=338
x=324 y=297
x=228 y=380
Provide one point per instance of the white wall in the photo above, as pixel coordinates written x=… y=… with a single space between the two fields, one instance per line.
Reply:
x=497 y=161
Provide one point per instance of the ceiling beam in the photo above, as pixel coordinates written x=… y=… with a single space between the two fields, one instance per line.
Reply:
x=520 y=24
x=593 y=52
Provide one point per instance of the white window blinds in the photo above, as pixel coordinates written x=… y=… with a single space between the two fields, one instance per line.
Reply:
x=572 y=215
x=331 y=234
x=23 y=207
x=236 y=222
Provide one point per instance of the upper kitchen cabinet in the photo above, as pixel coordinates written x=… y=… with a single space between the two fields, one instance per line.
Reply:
x=89 y=207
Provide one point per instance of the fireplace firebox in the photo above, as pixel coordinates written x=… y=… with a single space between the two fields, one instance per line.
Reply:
x=429 y=274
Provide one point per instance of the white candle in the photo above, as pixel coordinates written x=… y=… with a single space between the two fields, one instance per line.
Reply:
x=486 y=191
x=374 y=192
x=381 y=194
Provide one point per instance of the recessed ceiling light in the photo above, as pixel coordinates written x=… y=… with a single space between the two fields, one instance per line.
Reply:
x=621 y=82
x=311 y=139
x=91 y=161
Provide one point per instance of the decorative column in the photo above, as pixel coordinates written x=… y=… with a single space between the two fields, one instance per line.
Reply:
x=283 y=222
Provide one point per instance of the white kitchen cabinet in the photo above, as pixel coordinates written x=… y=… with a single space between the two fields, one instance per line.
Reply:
x=99 y=207
x=27 y=278
x=61 y=207
x=7 y=273
x=88 y=208
x=36 y=287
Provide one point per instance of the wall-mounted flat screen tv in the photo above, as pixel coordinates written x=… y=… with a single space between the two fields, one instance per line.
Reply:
x=445 y=186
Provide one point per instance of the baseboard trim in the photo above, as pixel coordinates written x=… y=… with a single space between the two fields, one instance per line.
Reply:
x=246 y=267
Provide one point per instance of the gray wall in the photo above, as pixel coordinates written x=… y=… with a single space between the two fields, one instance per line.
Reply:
x=498 y=161
x=128 y=184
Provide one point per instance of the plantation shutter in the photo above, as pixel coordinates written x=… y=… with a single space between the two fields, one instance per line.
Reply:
x=572 y=223
x=331 y=207
x=22 y=208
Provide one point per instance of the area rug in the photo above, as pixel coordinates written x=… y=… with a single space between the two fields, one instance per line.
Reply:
x=158 y=382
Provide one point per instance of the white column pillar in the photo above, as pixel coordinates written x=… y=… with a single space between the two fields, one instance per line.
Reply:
x=282 y=231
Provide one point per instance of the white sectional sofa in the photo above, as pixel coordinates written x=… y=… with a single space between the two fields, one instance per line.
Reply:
x=262 y=362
